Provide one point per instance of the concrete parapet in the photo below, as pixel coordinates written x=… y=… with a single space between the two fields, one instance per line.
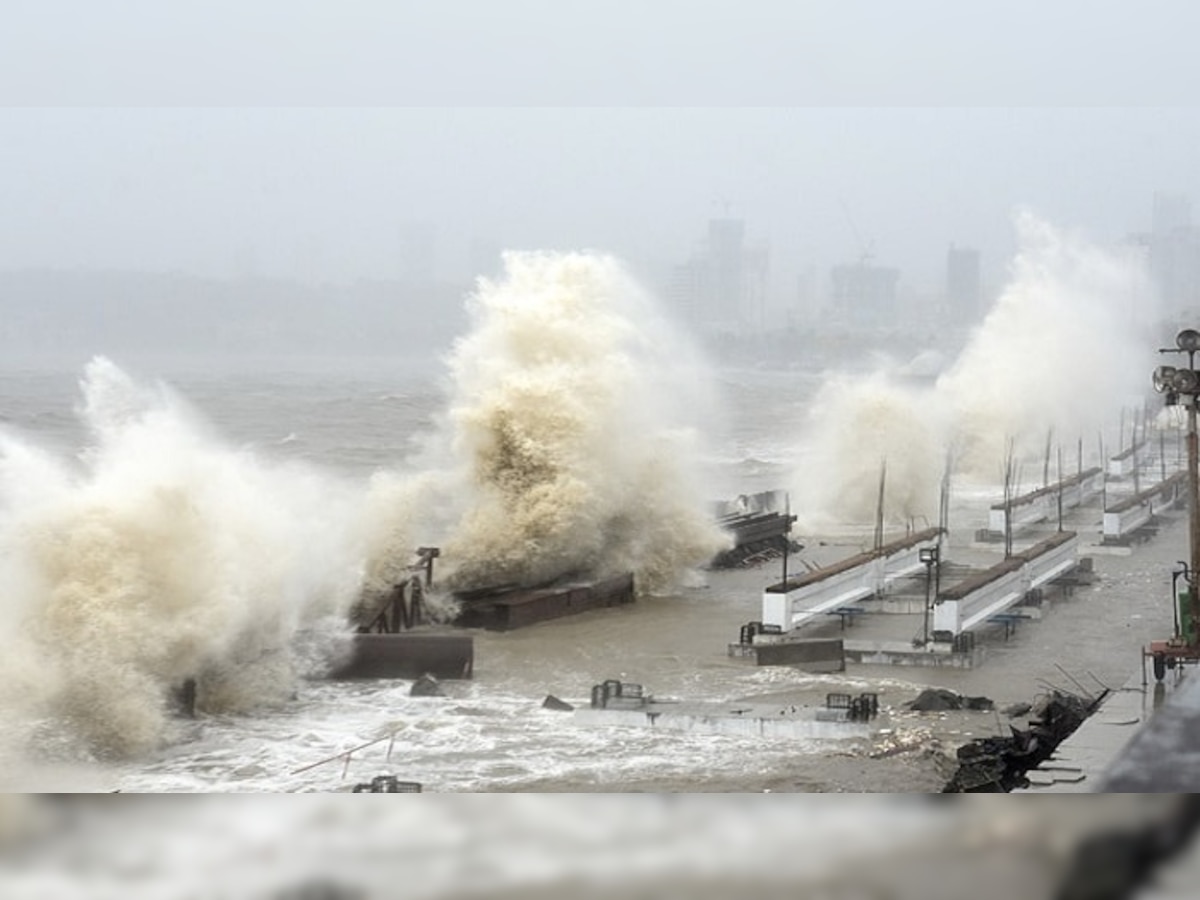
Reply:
x=896 y=653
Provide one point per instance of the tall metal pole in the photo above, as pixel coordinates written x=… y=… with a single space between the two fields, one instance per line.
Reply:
x=928 y=582
x=1193 y=453
x=787 y=536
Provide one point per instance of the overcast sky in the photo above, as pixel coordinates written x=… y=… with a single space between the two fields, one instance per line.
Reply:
x=286 y=138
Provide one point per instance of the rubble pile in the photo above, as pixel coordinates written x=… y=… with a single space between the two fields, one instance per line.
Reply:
x=998 y=765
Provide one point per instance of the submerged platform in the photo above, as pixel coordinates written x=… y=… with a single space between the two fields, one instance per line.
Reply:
x=820 y=655
x=508 y=608
x=738 y=719
x=615 y=703
x=410 y=654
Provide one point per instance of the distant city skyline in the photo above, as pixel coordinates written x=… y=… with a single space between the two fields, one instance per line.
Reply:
x=335 y=194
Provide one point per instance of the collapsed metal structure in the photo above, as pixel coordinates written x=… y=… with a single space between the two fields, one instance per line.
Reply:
x=394 y=638
x=760 y=526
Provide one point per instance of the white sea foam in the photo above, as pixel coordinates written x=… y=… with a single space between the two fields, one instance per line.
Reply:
x=1066 y=345
x=569 y=446
x=159 y=554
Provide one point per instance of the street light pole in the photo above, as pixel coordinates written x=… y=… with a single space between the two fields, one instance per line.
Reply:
x=1182 y=386
x=929 y=556
x=1193 y=455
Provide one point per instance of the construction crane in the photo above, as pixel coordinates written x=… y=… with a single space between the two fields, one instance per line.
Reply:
x=866 y=250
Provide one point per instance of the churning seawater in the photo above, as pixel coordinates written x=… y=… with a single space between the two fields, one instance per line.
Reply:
x=490 y=733
x=220 y=522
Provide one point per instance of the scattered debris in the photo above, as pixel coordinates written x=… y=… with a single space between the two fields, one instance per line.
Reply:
x=1016 y=710
x=997 y=765
x=894 y=744
x=942 y=700
x=426 y=686
x=552 y=702
x=387 y=784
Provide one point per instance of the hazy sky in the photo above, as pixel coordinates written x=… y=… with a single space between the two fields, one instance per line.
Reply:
x=305 y=139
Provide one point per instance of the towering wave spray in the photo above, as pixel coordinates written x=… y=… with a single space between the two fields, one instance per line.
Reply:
x=568 y=447
x=1064 y=347
x=162 y=555
x=1068 y=344
x=861 y=431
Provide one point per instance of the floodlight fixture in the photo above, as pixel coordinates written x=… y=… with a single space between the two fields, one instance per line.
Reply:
x=928 y=555
x=1188 y=340
x=1163 y=377
x=1185 y=381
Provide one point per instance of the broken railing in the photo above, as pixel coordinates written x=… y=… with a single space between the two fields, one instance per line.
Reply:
x=404 y=606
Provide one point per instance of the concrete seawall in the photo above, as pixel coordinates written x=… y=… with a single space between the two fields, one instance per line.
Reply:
x=1130 y=744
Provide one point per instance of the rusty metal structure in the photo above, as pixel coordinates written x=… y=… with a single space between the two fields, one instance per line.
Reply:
x=395 y=640
x=758 y=528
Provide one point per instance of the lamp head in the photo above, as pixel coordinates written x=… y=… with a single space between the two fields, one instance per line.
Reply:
x=1185 y=381
x=1188 y=340
x=1162 y=378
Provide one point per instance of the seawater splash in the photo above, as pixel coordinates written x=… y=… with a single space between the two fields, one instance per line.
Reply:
x=1068 y=344
x=569 y=446
x=861 y=431
x=1062 y=350
x=159 y=554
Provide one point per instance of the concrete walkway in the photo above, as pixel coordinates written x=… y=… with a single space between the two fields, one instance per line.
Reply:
x=1131 y=744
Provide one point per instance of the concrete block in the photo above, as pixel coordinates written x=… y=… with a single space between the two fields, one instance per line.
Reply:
x=811 y=655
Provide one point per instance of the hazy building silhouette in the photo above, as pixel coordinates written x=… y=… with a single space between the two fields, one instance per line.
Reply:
x=722 y=289
x=864 y=295
x=1174 y=254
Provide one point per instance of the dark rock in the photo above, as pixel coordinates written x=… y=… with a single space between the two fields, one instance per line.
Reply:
x=426 y=686
x=552 y=702
x=936 y=700
x=981 y=703
x=183 y=698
